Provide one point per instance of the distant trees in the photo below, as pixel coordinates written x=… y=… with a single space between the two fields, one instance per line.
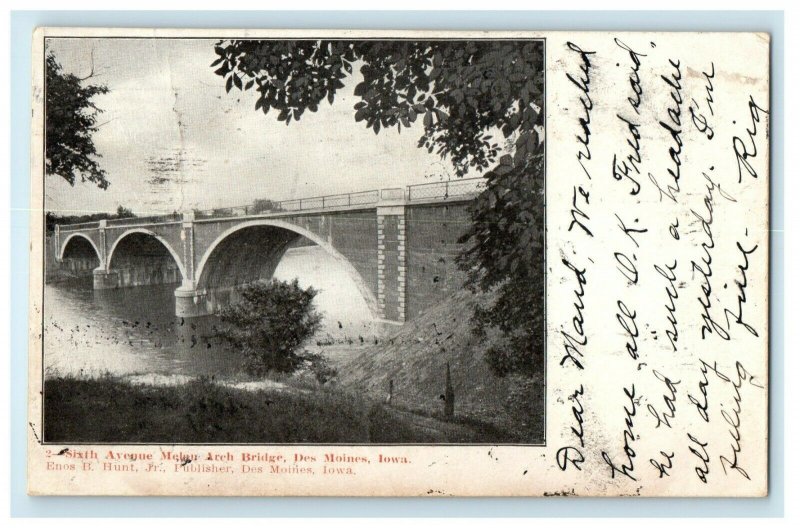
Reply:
x=269 y=326
x=124 y=212
x=471 y=96
x=70 y=122
x=261 y=205
x=51 y=219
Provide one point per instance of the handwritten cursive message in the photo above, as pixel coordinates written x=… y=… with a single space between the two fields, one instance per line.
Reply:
x=659 y=201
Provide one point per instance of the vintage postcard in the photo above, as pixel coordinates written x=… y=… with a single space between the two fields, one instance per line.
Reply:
x=399 y=263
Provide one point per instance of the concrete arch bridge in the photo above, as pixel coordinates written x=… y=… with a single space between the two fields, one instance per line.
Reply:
x=398 y=246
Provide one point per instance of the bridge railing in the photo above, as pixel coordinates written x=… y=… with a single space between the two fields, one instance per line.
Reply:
x=446 y=189
x=435 y=190
x=140 y=220
x=131 y=220
x=77 y=227
x=300 y=204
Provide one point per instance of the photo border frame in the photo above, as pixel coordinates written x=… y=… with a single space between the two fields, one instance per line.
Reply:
x=24 y=22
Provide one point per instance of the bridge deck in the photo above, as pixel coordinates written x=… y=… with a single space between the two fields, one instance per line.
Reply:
x=419 y=194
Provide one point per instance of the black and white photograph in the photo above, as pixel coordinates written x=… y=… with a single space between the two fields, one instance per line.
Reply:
x=293 y=240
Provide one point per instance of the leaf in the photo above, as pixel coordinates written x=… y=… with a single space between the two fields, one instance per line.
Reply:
x=237 y=81
x=229 y=84
x=428 y=119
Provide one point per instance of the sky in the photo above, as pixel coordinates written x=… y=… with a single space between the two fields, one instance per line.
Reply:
x=172 y=139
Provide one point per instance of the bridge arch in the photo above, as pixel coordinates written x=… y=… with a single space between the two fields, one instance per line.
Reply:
x=71 y=237
x=175 y=255
x=205 y=266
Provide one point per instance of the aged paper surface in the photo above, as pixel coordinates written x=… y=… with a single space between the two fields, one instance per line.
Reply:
x=619 y=346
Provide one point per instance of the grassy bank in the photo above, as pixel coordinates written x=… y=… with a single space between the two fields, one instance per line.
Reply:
x=112 y=410
x=414 y=359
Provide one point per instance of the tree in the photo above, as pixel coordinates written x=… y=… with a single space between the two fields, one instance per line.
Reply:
x=270 y=324
x=261 y=205
x=469 y=95
x=504 y=253
x=70 y=122
x=124 y=212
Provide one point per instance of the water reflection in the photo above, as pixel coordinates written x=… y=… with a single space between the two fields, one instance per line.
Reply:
x=134 y=331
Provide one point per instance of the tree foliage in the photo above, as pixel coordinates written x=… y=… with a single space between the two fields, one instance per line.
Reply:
x=505 y=253
x=124 y=212
x=481 y=107
x=51 y=218
x=70 y=122
x=270 y=324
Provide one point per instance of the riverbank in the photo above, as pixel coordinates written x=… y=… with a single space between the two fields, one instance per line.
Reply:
x=414 y=362
x=112 y=410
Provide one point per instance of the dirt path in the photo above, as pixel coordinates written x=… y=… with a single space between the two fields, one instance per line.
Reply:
x=436 y=430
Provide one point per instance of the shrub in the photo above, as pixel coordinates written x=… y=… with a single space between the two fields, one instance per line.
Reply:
x=320 y=367
x=270 y=324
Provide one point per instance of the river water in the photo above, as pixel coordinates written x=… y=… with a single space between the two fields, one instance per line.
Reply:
x=133 y=332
